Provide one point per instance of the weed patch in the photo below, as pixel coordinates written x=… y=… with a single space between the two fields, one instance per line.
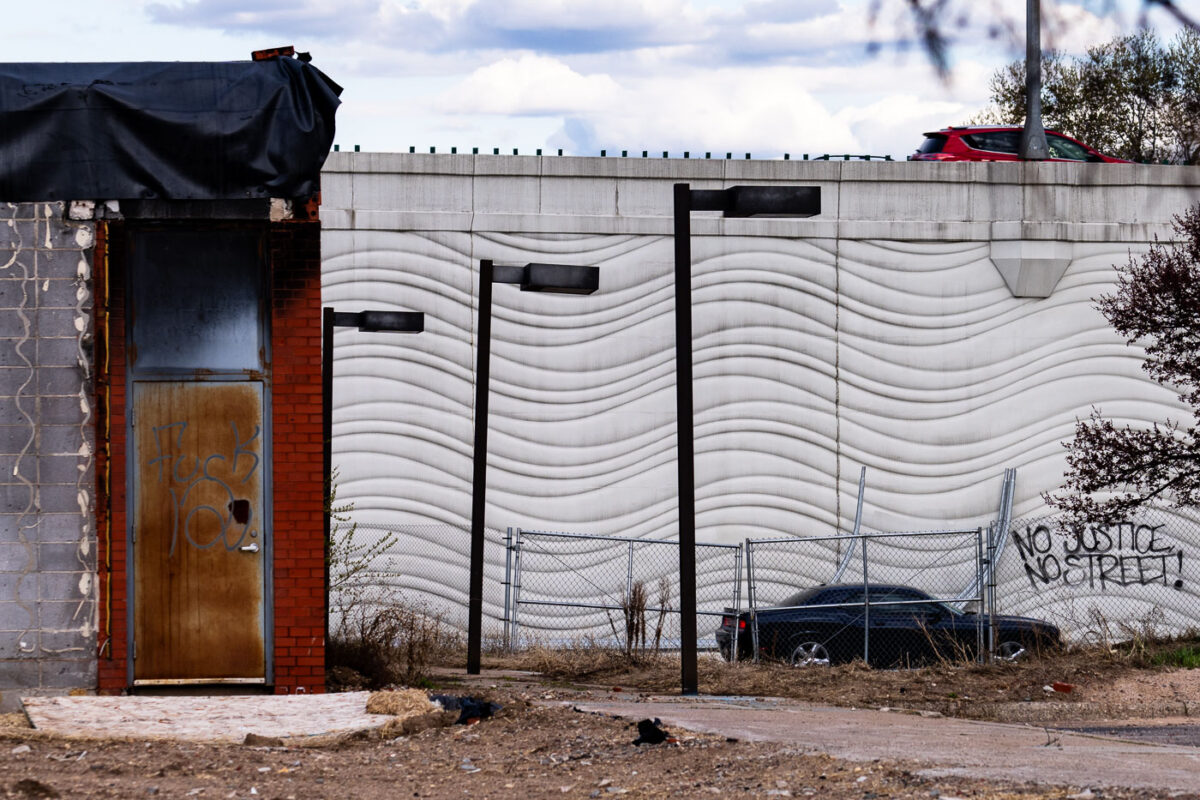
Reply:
x=376 y=646
x=1187 y=657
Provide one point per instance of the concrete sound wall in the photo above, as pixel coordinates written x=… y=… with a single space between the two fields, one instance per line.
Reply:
x=935 y=324
x=885 y=332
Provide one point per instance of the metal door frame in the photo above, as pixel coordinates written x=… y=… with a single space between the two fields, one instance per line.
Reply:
x=132 y=376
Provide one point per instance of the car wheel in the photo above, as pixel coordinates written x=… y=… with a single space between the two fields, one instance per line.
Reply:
x=1010 y=651
x=810 y=654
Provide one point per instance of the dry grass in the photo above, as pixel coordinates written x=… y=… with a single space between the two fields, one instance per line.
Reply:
x=584 y=661
x=411 y=711
x=948 y=687
x=17 y=719
x=400 y=703
x=378 y=646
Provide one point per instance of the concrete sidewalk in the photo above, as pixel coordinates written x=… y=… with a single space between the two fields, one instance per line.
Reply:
x=943 y=746
x=204 y=718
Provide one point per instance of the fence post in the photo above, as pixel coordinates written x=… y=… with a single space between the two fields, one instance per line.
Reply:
x=994 y=533
x=844 y=561
x=516 y=595
x=508 y=543
x=737 y=603
x=996 y=538
x=866 y=607
x=751 y=599
x=629 y=575
x=982 y=593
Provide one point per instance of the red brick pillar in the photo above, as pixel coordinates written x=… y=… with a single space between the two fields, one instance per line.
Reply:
x=298 y=524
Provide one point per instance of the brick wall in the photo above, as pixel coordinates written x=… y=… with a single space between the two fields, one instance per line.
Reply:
x=110 y=459
x=47 y=538
x=298 y=483
x=299 y=525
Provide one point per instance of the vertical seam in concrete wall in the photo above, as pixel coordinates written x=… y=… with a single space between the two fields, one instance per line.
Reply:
x=541 y=185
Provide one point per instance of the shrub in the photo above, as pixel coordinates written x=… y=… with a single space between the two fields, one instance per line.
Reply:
x=387 y=645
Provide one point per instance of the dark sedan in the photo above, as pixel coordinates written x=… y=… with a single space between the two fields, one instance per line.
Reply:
x=898 y=626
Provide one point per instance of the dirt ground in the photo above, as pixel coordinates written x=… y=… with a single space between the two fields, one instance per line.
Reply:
x=534 y=750
x=528 y=751
x=1089 y=684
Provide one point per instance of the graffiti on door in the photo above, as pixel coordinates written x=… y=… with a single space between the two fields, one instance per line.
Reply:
x=203 y=487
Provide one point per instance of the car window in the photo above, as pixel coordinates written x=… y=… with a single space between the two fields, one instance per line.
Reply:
x=933 y=144
x=894 y=596
x=802 y=597
x=924 y=609
x=831 y=595
x=994 y=141
x=1061 y=147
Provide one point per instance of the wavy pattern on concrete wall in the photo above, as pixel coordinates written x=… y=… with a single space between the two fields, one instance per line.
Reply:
x=812 y=358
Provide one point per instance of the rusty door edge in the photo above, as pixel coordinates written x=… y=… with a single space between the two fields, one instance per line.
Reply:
x=268 y=610
x=132 y=375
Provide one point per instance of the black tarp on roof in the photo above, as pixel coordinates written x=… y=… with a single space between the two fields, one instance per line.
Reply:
x=169 y=131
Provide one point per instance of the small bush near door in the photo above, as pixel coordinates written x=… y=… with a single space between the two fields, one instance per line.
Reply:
x=376 y=646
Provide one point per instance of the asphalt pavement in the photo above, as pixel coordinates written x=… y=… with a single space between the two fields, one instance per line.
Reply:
x=938 y=745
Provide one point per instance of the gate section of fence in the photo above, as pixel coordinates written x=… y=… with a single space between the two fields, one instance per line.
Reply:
x=1104 y=583
x=612 y=591
x=415 y=570
x=891 y=599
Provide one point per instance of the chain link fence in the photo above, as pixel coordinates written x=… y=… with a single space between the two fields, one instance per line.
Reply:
x=891 y=599
x=615 y=591
x=422 y=568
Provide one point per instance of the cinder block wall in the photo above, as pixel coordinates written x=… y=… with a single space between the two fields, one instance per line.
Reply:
x=47 y=443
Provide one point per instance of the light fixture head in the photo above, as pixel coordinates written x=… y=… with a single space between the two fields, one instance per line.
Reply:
x=760 y=201
x=555 y=278
x=561 y=279
x=374 y=321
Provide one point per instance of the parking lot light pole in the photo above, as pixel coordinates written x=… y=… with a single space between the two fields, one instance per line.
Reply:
x=368 y=322
x=555 y=278
x=1034 y=146
x=735 y=201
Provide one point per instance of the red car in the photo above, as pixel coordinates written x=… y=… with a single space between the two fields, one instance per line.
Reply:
x=1000 y=143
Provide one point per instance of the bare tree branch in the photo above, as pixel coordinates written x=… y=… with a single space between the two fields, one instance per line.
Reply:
x=1171 y=8
x=1114 y=470
x=933 y=22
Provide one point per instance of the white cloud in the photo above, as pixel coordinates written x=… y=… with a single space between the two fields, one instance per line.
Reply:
x=765 y=76
x=893 y=125
x=529 y=85
x=743 y=109
x=528 y=14
x=1075 y=29
x=739 y=109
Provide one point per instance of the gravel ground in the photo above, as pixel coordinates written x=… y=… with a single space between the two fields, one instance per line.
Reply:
x=527 y=751
x=539 y=748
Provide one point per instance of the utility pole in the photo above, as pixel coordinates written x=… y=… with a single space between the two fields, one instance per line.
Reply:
x=1033 y=137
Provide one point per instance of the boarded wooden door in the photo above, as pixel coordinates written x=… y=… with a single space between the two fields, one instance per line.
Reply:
x=198 y=538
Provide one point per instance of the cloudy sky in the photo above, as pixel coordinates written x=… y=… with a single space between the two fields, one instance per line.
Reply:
x=759 y=76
